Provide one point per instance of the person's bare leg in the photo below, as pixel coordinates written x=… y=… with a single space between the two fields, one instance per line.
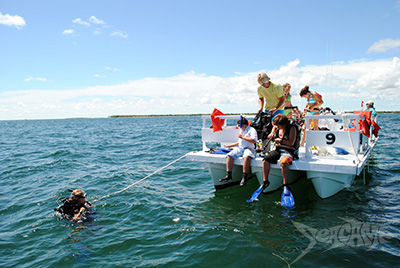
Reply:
x=246 y=164
x=285 y=173
x=229 y=167
x=266 y=169
x=316 y=124
x=303 y=138
x=246 y=168
x=229 y=163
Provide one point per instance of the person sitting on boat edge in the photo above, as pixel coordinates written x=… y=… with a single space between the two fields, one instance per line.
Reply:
x=285 y=141
x=75 y=206
x=246 y=148
x=314 y=101
x=270 y=95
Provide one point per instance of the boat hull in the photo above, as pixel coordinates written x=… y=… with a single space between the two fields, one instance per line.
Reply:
x=328 y=184
x=218 y=171
x=275 y=177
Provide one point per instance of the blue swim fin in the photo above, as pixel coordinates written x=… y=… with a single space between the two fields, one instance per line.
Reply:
x=217 y=152
x=287 y=198
x=224 y=150
x=256 y=194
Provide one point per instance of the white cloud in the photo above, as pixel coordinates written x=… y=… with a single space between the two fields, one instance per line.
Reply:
x=112 y=69
x=119 y=34
x=101 y=27
x=188 y=93
x=95 y=20
x=384 y=45
x=88 y=22
x=9 y=20
x=48 y=106
x=81 y=22
x=30 y=78
x=382 y=79
x=397 y=5
x=69 y=32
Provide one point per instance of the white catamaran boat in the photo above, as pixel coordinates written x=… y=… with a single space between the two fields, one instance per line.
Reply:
x=331 y=158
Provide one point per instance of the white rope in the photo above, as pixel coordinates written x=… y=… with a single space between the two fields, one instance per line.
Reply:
x=148 y=176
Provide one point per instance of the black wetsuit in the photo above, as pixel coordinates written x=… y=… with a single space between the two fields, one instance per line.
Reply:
x=70 y=208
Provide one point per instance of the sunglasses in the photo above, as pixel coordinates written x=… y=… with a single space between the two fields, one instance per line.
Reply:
x=78 y=196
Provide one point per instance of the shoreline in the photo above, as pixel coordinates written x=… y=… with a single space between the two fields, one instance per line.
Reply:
x=168 y=115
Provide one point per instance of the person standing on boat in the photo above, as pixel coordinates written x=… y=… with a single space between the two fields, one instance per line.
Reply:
x=285 y=140
x=270 y=94
x=370 y=107
x=314 y=101
x=289 y=108
x=245 y=147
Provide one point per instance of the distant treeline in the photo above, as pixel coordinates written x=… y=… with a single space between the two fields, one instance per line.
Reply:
x=169 y=115
x=154 y=115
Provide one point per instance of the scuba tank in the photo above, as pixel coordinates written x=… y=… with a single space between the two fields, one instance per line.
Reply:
x=262 y=123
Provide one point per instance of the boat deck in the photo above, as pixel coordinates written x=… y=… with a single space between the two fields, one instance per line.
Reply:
x=334 y=164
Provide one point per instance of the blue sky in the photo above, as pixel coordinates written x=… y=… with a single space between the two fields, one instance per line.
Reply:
x=62 y=59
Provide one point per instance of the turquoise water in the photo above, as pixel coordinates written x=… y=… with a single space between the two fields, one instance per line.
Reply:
x=175 y=218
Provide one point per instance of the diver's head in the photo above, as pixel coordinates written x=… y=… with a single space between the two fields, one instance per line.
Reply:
x=78 y=195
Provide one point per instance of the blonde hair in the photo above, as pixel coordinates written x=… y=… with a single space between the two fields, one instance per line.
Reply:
x=262 y=78
x=285 y=86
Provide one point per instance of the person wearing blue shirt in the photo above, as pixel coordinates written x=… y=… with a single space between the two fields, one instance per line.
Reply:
x=370 y=107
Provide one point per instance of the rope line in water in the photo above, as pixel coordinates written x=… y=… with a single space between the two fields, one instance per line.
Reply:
x=148 y=176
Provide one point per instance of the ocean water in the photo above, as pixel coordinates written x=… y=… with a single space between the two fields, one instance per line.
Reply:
x=175 y=218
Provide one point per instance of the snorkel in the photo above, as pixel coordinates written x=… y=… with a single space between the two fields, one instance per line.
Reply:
x=241 y=121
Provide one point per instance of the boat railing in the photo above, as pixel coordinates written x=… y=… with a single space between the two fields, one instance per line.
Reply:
x=228 y=135
x=233 y=117
x=344 y=134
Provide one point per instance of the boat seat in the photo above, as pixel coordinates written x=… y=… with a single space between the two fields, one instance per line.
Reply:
x=328 y=139
x=228 y=135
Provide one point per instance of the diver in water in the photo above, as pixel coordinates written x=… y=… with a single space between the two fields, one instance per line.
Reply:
x=74 y=207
